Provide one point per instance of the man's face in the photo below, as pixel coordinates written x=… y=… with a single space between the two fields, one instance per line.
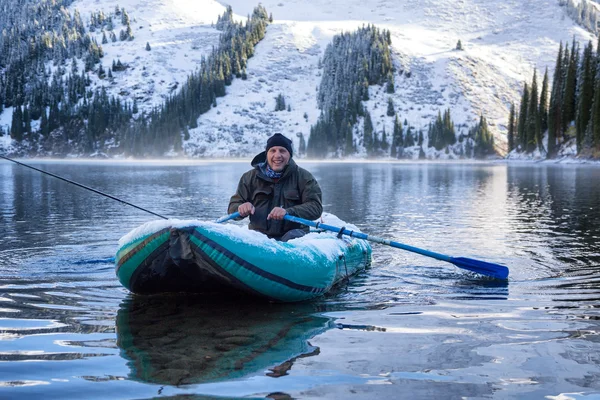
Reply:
x=278 y=157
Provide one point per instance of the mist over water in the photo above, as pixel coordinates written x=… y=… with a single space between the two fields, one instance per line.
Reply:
x=408 y=326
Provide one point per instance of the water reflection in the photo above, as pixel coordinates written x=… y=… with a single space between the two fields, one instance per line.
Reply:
x=177 y=340
x=555 y=209
x=458 y=334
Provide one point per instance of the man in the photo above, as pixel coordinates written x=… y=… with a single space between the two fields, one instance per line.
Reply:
x=277 y=186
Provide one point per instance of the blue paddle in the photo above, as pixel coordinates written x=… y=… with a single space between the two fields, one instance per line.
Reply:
x=227 y=217
x=480 y=267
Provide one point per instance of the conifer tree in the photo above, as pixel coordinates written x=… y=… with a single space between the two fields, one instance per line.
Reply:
x=396 y=138
x=390 y=108
x=522 y=124
x=376 y=143
x=301 y=144
x=16 y=127
x=449 y=132
x=586 y=93
x=409 y=140
x=543 y=110
x=26 y=120
x=484 y=141
x=44 y=124
x=569 y=103
x=555 y=107
x=384 y=140
x=368 y=133
x=280 y=102
x=532 y=119
x=595 y=118
x=390 y=85
x=511 y=128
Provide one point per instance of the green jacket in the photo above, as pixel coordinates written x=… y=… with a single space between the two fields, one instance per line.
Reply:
x=297 y=191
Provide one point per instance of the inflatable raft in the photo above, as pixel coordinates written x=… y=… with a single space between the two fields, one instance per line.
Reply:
x=206 y=257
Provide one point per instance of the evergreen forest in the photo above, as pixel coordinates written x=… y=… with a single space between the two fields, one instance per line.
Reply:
x=564 y=113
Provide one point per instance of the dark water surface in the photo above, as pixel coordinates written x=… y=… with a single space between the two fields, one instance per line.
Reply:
x=410 y=327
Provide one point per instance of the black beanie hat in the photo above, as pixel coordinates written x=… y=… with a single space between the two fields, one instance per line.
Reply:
x=279 y=140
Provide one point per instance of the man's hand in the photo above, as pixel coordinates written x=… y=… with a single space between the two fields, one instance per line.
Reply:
x=277 y=213
x=246 y=209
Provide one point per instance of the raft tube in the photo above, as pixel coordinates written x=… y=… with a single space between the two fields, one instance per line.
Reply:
x=205 y=257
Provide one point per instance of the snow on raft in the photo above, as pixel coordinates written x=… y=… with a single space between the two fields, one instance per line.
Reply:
x=206 y=257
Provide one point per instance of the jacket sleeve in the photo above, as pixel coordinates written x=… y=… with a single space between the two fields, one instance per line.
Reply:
x=241 y=196
x=310 y=193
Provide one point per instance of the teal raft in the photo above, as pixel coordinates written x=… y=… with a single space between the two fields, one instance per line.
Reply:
x=210 y=258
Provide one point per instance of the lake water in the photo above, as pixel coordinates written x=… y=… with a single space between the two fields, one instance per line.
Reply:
x=409 y=327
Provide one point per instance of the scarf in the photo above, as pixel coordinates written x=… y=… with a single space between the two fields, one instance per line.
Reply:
x=269 y=172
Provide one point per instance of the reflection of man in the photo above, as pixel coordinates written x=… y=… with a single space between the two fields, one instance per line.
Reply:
x=277 y=186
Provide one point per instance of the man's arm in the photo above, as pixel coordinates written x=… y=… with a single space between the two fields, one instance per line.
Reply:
x=241 y=196
x=310 y=193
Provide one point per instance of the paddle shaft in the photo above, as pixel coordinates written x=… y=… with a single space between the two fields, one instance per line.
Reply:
x=480 y=267
x=227 y=217
x=360 y=235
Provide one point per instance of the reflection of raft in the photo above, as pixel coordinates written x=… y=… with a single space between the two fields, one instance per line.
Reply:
x=176 y=340
x=196 y=256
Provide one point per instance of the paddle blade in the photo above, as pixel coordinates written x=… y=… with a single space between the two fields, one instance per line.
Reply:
x=481 y=267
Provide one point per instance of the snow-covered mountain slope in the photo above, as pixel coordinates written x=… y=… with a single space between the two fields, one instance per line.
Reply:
x=179 y=32
x=503 y=40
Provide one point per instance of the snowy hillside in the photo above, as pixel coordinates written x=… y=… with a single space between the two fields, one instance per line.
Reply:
x=502 y=42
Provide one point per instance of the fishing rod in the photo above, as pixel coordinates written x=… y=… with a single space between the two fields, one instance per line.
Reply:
x=81 y=186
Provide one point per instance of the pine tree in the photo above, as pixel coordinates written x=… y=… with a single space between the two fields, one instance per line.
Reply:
x=586 y=94
x=484 y=141
x=595 y=118
x=511 y=128
x=449 y=133
x=409 y=140
x=532 y=119
x=302 y=144
x=396 y=138
x=368 y=133
x=390 y=107
x=16 y=127
x=384 y=140
x=543 y=110
x=555 y=108
x=26 y=120
x=44 y=124
x=148 y=48
x=569 y=101
x=522 y=124
x=279 y=102
x=376 y=143
x=390 y=86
